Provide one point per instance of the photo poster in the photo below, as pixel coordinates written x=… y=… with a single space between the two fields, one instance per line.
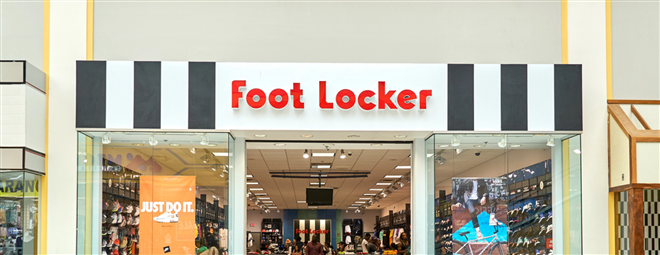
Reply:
x=479 y=205
x=167 y=215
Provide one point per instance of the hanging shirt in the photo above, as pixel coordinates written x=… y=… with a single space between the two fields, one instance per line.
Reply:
x=348 y=240
x=474 y=195
x=347 y=229
x=250 y=240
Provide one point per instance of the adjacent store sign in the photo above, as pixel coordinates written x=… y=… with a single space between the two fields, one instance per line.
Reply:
x=167 y=215
x=328 y=96
x=305 y=229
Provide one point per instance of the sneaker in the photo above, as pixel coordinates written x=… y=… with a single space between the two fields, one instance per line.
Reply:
x=115 y=206
x=105 y=243
x=137 y=211
x=167 y=218
x=114 y=218
x=549 y=231
x=136 y=221
x=129 y=209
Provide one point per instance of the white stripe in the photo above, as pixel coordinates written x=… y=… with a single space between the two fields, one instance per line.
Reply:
x=440 y=96
x=540 y=97
x=301 y=226
x=487 y=97
x=322 y=227
x=119 y=94
x=312 y=226
x=174 y=95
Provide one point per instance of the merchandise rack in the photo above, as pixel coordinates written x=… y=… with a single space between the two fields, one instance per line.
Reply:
x=120 y=184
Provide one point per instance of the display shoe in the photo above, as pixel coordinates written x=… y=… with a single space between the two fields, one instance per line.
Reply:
x=542 y=231
x=137 y=211
x=136 y=221
x=114 y=218
x=115 y=206
x=129 y=209
x=123 y=222
x=167 y=218
x=549 y=231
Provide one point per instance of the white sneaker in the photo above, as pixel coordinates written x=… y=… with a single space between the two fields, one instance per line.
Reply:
x=136 y=221
x=167 y=218
x=137 y=211
x=114 y=218
x=492 y=221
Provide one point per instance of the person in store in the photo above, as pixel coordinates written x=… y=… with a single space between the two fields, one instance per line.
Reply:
x=314 y=247
x=472 y=193
x=365 y=242
x=341 y=247
x=328 y=249
x=298 y=242
x=297 y=250
x=404 y=244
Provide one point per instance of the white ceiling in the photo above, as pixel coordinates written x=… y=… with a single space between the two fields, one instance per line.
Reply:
x=286 y=192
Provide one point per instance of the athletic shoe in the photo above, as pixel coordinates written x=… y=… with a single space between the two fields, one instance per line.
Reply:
x=105 y=243
x=129 y=209
x=137 y=211
x=167 y=218
x=114 y=218
x=115 y=206
x=549 y=231
x=542 y=231
x=136 y=221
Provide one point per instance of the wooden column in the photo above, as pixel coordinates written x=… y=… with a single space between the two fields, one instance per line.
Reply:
x=636 y=217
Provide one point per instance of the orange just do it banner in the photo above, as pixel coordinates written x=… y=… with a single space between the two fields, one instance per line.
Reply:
x=167 y=215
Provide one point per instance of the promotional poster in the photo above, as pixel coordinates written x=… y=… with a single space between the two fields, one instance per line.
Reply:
x=479 y=215
x=167 y=210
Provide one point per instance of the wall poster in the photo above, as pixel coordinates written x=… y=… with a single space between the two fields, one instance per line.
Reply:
x=167 y=212
x=479 y=216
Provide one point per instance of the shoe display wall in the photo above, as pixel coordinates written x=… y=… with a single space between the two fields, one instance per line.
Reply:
x=120 y=221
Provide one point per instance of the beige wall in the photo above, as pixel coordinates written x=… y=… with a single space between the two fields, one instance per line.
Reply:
x=396 y=207
x=22 y=31
x=636 y=50
x=308 y=31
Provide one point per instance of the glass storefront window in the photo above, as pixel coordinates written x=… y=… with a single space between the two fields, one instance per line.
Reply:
x=152 y=193
x=19 y=203
x=506 y=193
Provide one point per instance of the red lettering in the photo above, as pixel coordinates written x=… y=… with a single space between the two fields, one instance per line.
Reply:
x=363 y=103
x=385 y=98
x=322 y=103
x=272 y=98
x=235 y=93
x=296 y=92
x=404 y=97
x=340 y=99
x=256 y=104
x=423 y=94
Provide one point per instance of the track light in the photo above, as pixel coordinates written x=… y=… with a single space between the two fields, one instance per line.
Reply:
x=152 y=140
x=401 y=184
x=205 y=139
x=222 y=175
x=192 y=150
x=440 y=159
x=502 y=142
x=388 y=192
x=383 y=194
x=306 y=154
x=224 y=169
x=346 y=211
x=395 y=188
x=106 y=138
x=343 y=155
x=205 y=159
x=408 y=179
x=455 y=141
x=214 y=167
x=551 y=141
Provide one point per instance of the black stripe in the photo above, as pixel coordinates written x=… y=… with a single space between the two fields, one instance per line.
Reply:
x=146 y=95
x=514 y=97
x=201 y=95
x=90 y=94
x=307 y=236
x=568 y=97
x=460 y=97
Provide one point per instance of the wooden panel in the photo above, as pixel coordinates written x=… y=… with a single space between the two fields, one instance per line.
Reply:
x=636 y=209
x=633 y=160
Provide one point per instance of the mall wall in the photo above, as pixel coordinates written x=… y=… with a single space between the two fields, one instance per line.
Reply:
x=22 y=31
x=635 y=50
x=395 y=207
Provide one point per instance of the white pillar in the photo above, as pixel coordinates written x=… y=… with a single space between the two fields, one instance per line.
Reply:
x=422 y=186
x=237 y=200
x=586 y=46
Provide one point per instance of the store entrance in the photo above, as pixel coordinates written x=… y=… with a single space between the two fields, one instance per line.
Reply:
x=345 y=195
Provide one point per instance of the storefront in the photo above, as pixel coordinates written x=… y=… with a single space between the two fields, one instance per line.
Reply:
x=165 y=142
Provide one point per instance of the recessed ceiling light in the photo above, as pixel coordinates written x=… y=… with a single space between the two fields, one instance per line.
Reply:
x=317 y=176
x=402 y=167
x=312 y=207
x=515 y=145
x=212 y=145
x=260 y=136
x=443 y=145
x=383 y=184
x=252 y=183
x=250 y=176
x=369 y=194
x=260 y=194
x=221 y=154
x=268 y=202
x=376 y=189
x=400 y=136
x=479 y=145
x=352 y=207
x=323 y=154
x=175 y=144
x=353 y=136
x=360 y=202
x=323 y=166
x=376 y=144
x=306 y=136
x=138 y=144
x=393 y=176
x=257 y=189
x=302 y=202
x=355 y=205
x=316 y=183
x=364 y=198
x=280 y=144
x=264 y=198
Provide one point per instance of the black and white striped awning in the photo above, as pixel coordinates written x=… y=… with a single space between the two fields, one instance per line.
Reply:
x=197 y=95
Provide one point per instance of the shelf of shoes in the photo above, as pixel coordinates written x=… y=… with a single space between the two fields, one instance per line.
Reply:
x=121 y=214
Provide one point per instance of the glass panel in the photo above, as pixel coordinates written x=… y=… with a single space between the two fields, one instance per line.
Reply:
x=152 y=193
x=496 y=193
